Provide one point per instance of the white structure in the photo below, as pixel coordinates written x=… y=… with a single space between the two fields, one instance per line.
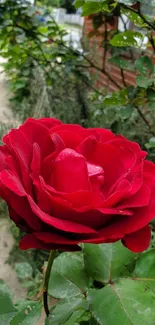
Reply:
x=61 y=17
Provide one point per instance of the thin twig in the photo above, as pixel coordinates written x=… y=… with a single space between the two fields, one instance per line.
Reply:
x=145 y=120
x=123 y=78
x=151 y=40
x=105 y=43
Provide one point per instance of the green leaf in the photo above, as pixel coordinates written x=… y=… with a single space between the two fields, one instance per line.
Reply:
x=143 y=82
x=67 y=312
x=106 y=262
x=29 y=315
x=117 y=98
x=126 y=302
x=126 y=111
x=151 y=143
x=151 y=94
x=122 y=64
x=144 y=65
x=134 y=17
x=92 y=7
x=127 y=38
x=68 y=277
x=24 y=270
x=43 y=30
x=18 y=84
x=79 y=3
x=145 y=265
x=7 y=309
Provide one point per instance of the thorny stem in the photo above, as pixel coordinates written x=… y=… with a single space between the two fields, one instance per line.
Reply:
x=46 y=281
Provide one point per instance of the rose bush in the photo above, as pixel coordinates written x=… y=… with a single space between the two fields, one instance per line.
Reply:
x=65 y=184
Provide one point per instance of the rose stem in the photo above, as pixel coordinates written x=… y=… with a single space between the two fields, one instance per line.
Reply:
x=46 y=281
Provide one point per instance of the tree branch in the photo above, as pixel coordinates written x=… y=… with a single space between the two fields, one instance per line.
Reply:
x=145 y=120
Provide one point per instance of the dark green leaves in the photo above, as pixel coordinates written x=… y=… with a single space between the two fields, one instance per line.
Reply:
x=144 y=65
x=145 y=68
x=151 y=94
x=129 y=298
x=69 y=282
x=145 y=266
x=79 y=3
x=121 y=63
x=24 y=270
x=115 y=99
x=106 y=262
x=28 y=314
x=151 y=143
x=24 y=313
x=68 y=312
x=68 y=277
x=126 y=302
x=92 y=7
x=7 y=309
x=126 y=111
x=143 y=82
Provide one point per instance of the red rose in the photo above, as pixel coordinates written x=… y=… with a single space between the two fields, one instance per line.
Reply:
x=65 y=185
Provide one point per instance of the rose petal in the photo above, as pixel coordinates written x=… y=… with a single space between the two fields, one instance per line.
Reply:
x=36 y=161
x=39 y=133
x=140 y=199
x=149 y=173
x=105 y=134
x=94 y=170
x=49 y=122
x=20 y=149
x=120 y=141
x=71 y=139
x=29 y=241
x=103 y=155
x=139 y=240
x=54 y=238
x=74 y=128
x=64 y=225
x=21 y=206
x=48 y=163
x=12 y=182
x=4 y=152
x=70 y=172
x=20 y=222
x=121 y=192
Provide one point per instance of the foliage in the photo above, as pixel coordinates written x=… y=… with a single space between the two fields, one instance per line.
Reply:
x=114 y=281
x=126 y=50
x=39 y=63
x=21 y=313
x=66 y=4
x=102 y=283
